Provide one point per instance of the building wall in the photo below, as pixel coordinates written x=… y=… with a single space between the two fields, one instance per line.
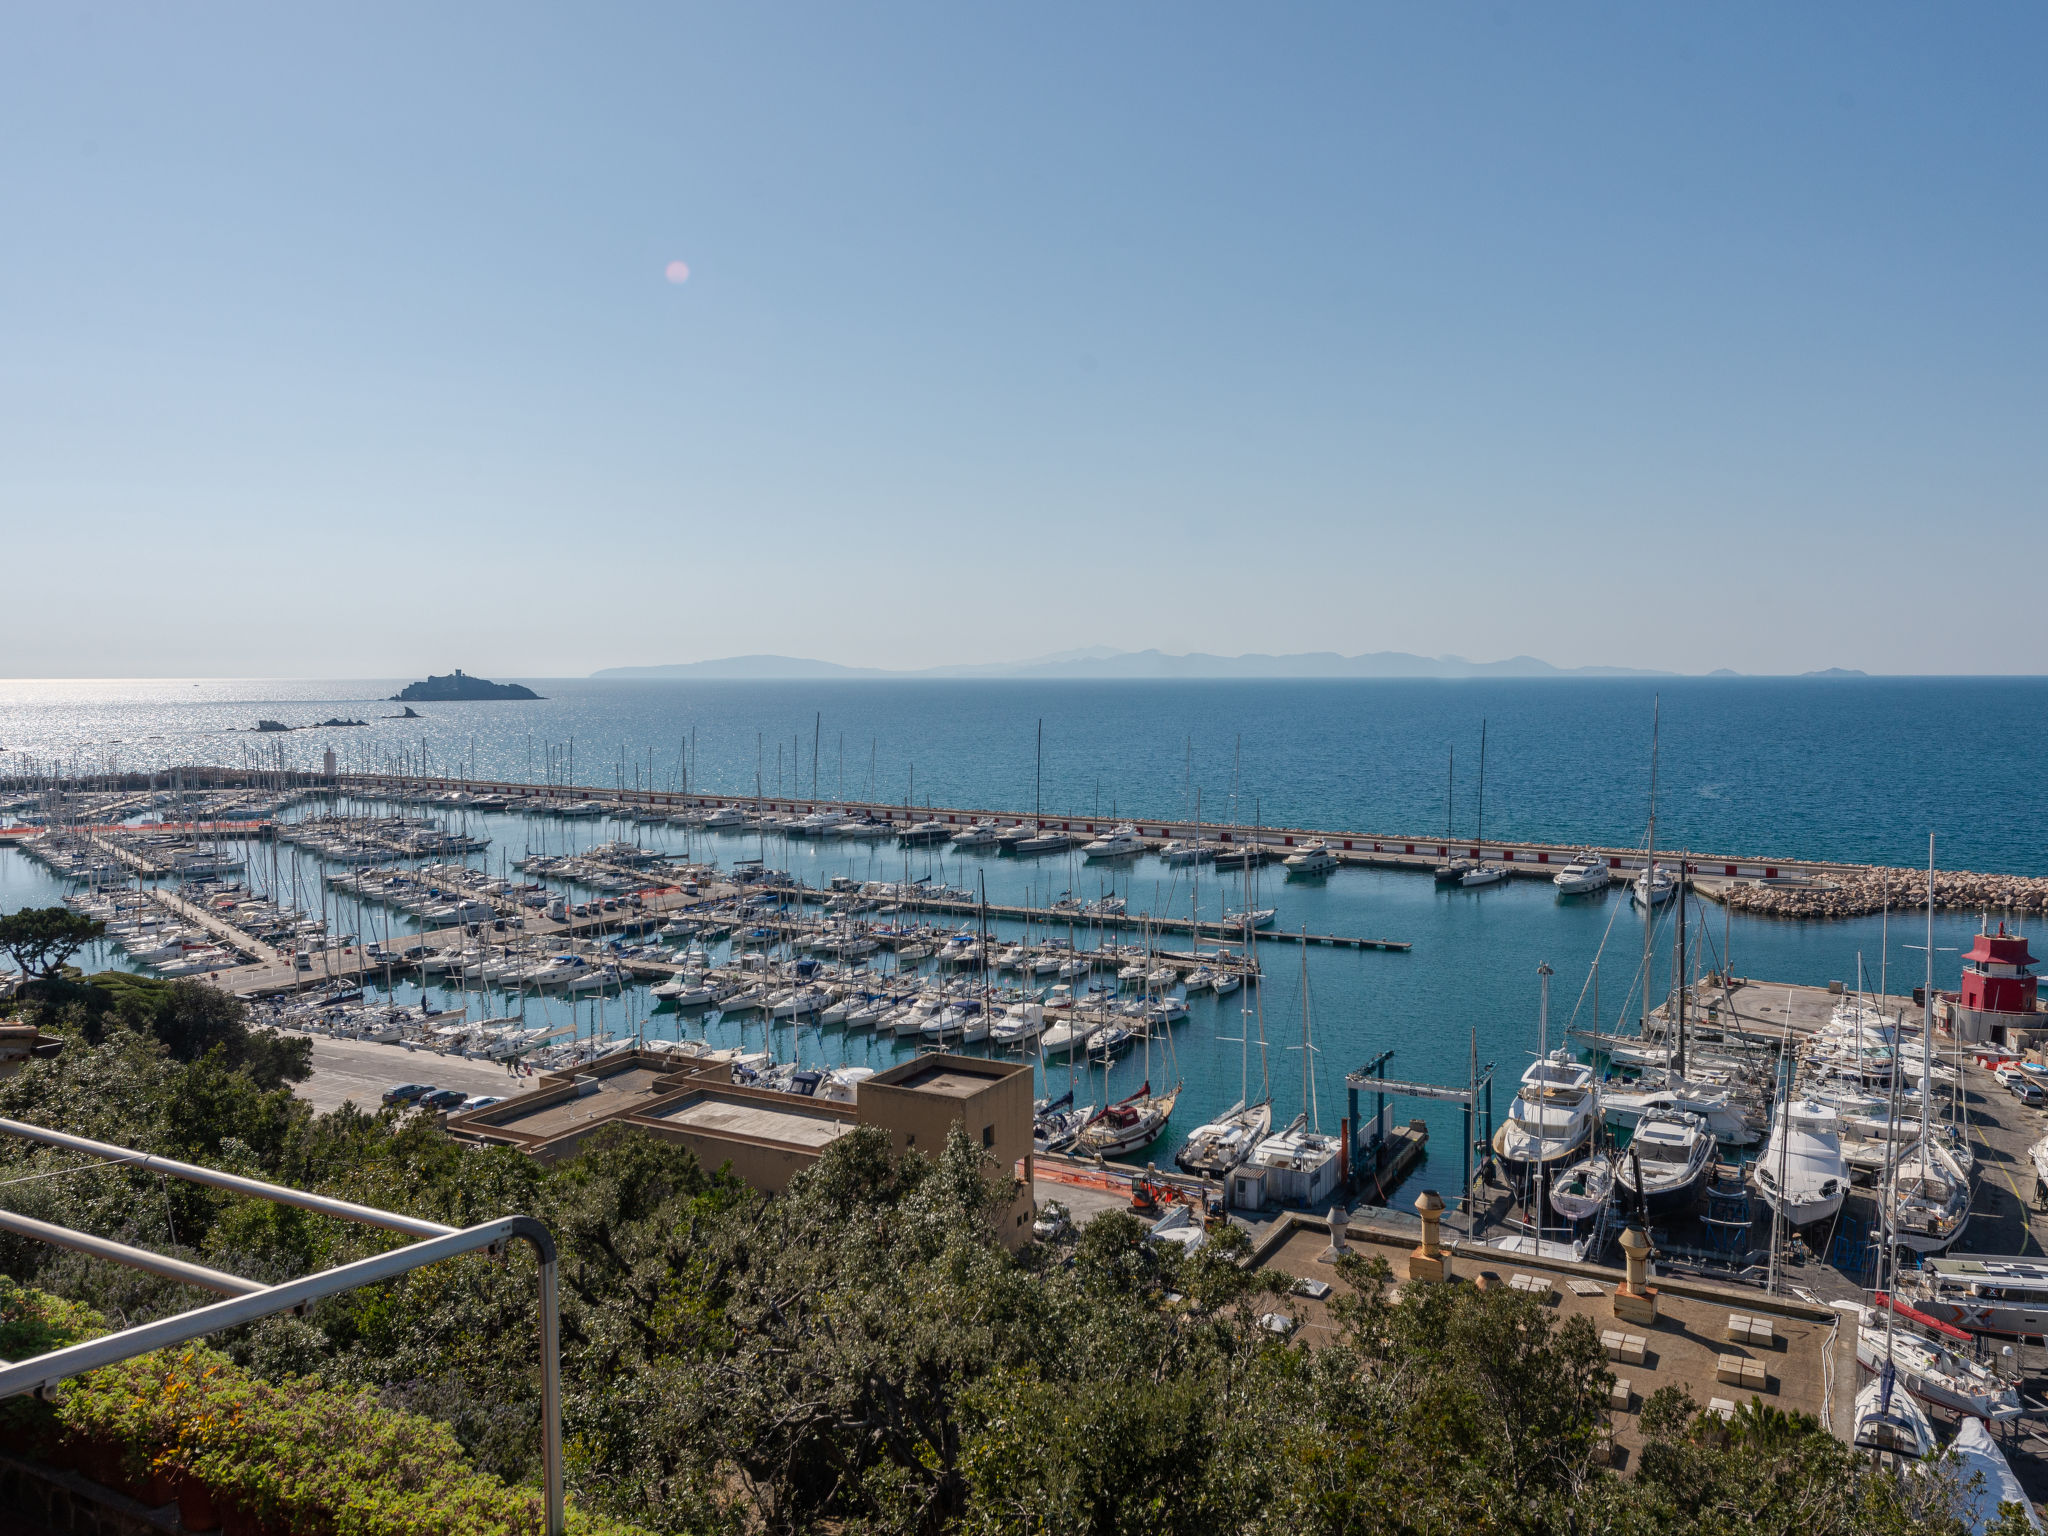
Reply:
x=996 y=1115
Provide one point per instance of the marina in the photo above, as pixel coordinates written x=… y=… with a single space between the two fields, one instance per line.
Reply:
x=789 y=939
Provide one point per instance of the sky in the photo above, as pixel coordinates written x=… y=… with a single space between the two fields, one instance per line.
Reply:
x=373 y=340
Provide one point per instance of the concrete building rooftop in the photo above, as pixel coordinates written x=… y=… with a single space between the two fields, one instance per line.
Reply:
x=790 y=1126
x=946 y=1080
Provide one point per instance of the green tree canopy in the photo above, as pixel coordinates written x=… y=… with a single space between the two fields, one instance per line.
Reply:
x=42 y=940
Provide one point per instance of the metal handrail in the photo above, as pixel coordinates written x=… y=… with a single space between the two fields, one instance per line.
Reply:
x=42 y=1374
x=276 y=1193
x=134 y=1258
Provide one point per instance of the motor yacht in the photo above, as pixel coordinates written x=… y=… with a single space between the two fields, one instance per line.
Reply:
x=1310 y=859
x=1552 y=1116
x=1652 y=888
x=1585 y=875
x=1666 y=1162
x=982 y=834
x=1800 y=1172
x=1120 y=843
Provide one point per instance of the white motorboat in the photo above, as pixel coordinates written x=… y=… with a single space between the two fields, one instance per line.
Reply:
x=1582 y=1191
x=1583 y=876
x=1652 y=888
x=1724 y=1115
x=1183 y=851
x=1669 y=1155
x=1800 y=1172
x=982 y=834
x=1937 y=1374
x=1020 y=1022
x=1066 y=1036
x=817 y=824
x=1119 y=843
x=1311 y=858
x=1552 y=1116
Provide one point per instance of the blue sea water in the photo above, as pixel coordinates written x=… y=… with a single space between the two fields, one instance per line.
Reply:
x=1838 y=768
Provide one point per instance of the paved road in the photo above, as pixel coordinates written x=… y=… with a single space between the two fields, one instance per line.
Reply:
x=357 y=1070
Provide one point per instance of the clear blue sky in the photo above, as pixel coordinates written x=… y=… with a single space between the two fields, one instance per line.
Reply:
x=341 y=344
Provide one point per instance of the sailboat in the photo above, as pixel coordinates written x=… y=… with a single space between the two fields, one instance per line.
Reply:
x=1452 y=870
x=1652 y=888
x=1482 y=873
x=1927 y=1203
x=1212 y=1150
x=1131 y=1123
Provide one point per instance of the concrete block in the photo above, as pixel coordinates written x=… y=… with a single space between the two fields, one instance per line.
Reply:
x=1728 y=1368
x=1621 y=1394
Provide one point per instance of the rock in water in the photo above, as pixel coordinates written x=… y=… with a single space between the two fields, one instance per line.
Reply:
x=459 y=686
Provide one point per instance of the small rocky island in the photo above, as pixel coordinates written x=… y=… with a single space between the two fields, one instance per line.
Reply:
x=459 y=686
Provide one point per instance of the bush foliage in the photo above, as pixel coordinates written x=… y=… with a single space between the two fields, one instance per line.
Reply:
x=859 y=1355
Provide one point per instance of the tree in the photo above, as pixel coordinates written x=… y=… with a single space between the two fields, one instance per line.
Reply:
x=42 y=940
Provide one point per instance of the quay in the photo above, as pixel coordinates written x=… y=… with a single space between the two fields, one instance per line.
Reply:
x=1385 y=850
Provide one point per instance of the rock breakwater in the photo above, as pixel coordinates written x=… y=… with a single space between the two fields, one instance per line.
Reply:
x=1864 y=889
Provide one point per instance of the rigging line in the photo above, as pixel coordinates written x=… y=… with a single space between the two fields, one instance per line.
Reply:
x=58 y=1173
x=1584 y=986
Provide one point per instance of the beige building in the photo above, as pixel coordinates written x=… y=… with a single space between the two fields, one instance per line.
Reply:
x=767 y=1138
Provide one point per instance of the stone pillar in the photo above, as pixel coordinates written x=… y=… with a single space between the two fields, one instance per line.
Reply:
x=1429 y=1262
x=1635 y=1299
x=1340 y=1220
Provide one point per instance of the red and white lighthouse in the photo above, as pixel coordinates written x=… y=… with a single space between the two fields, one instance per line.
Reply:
x=1999 y=990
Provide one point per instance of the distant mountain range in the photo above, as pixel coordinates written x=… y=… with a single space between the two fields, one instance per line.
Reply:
x=1104 y=662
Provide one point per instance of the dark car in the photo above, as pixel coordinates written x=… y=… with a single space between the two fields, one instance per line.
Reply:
x=443 y=1098
x=405 y=1093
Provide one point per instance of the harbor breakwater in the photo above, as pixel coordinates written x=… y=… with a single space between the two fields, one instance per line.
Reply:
x=1866 y=890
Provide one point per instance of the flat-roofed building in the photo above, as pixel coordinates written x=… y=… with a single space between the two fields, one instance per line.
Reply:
x=920 y=1101
x=766 y=1137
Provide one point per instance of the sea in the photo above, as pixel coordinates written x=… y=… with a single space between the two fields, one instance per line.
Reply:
x=1850 y=768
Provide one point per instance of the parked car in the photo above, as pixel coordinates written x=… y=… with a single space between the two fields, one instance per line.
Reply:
x=405 y=1093
x=2029 y=1092
x=443 y=1098
x=482 y=1100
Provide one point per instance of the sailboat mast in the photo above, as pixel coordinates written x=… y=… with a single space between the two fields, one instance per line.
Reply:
x=1679 y=1059
x=1927 y=1018
x=1480 y=834
x=1650 y=866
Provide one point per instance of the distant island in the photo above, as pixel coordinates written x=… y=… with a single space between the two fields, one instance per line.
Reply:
x=279 y=725
x=1103 y=662
x=459 y=687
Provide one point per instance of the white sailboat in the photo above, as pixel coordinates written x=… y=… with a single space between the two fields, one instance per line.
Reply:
x=1926 y=1205
x=1482 y=873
